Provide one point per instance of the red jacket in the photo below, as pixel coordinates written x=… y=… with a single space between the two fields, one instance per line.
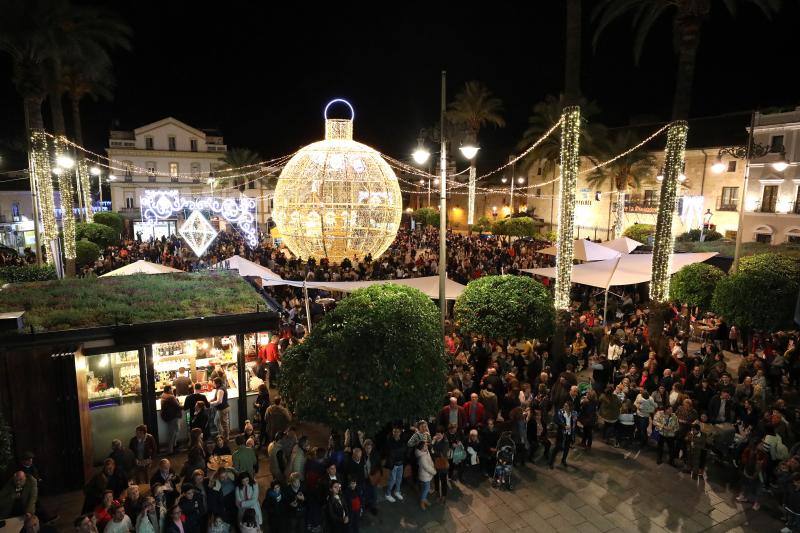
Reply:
x=444 y=417
x=480 y=413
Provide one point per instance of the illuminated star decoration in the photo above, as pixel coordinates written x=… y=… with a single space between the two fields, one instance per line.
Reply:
x=198 y=233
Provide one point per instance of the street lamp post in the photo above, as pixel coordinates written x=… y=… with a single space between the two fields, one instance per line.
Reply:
x=443 y=208
x=752 y=150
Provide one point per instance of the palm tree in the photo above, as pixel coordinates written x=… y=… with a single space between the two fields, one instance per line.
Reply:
x=627 y=172
x=236 y=158
x=474 y=108
x=572 y=55
x=688 y=17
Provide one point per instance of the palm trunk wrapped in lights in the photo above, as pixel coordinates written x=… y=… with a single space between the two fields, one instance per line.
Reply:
x=41 y=174
x=85 y=188
x=67 y=213
x=619 y=223
x=471 y=197
x=570 y=162
x=663 y=241
x=570 y=134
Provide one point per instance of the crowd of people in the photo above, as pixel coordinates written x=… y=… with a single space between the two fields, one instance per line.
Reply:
x=729 y=400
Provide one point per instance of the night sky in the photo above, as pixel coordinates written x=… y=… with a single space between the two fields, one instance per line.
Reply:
x=262 y=75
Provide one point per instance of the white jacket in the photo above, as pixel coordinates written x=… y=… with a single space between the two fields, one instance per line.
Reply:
x=426 y=468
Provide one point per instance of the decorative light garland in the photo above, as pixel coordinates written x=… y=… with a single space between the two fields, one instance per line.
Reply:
x=86 y=191
x=570 y=163
x=619 y=223
x=628 y=151
x=40 y=158
x=663 y=243
x=66 y=190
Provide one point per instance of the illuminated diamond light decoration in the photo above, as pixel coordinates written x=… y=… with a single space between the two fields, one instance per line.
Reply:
x=198 y=233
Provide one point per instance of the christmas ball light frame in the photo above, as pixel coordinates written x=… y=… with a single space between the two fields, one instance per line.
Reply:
x=337 y=198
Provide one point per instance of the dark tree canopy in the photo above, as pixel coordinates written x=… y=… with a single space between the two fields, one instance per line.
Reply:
x=506 y=307
x=761 y=294
x=377 y=357
x=694 y=284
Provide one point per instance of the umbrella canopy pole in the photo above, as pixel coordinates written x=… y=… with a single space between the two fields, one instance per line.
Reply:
x=308 y=307
x=608 y=284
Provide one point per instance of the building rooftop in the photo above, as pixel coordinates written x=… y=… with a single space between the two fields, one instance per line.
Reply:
x=91 y=302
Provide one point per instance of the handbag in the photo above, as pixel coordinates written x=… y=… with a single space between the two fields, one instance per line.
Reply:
x=441 y=463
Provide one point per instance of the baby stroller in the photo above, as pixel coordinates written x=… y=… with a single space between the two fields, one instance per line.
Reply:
x=506 y=450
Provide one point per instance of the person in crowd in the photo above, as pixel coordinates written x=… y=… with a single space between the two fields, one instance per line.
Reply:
x=395 y=455
x=221 y=447
x=123 y=458
x=278 y=417
x=171 y=415
x=133 y=501
x=336 y=511
x=222 y=416
x=294 y=500
x=608 y=411
x=18 y=496
x=244 y=458
x=183 y=383
x=566 y=420
x=192 y=509
x=587 y=416
x=108 y=478
x=148 y=519
x=261 y=404
x=196 y=457
x=273 y=506
x=666 y=423
x=144 y=448
x=165 y=477
x=102 y=511
x=247 y=496
x=298 y=458
x=426 y=472
x=174 y=523
x=440 y=451
x=190 y=407
x=120 y=522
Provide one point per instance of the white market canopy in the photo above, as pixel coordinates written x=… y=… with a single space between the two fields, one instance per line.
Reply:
x=141 y=267
x=624 y=270
x=622 y=244
x=586 y=251
x=428 y=285
x=246 y=268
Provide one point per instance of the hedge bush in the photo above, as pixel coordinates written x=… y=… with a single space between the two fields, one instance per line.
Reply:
x=21 y=274
x=110 y=219
x=86 y=253
x=99 y=234
x=640 y=232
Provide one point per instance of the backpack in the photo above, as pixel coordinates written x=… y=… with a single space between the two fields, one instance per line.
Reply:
x=459 y=453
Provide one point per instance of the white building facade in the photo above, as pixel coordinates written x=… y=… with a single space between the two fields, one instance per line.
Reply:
x=772 y=202
x=171 y=155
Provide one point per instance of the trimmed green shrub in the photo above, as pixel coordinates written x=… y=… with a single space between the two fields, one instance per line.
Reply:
x=427 y=216
x=694 y=236
x=21 y=274
x=694 y=284
x=502 y=307
x=640 y=232
x=376 y=358
x=483 y=224
x=110 y=219
x=99 y=234
x=86 y=253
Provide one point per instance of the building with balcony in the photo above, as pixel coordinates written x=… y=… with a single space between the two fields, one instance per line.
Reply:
x=595 y=209
x=772 y=201
x=170 y=155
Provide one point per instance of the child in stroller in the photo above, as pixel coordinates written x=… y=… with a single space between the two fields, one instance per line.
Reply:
x=506 y=450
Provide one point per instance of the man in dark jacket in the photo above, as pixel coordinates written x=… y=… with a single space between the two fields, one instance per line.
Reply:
x=18 y=496
x=395 y=453
x=144 y=448
x=171 y=414
x=191 y=400
x=192 y=507
x=720 y=408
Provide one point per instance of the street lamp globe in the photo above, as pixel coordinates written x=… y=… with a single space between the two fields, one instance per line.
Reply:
x=421 y=156
x=504 y=180
x=95 y=171
x=469 y=150
x=718 y=167
x=681 y=177
x=520 y=180
x=111 y=177
x=781 y=164
x=65 y=161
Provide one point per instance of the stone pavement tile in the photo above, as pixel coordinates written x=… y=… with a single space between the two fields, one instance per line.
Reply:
x=499 y=527
x=545 y=510
x=638 y=525
x=484 y=513
x=514 y=521
x=595 y=518
x=587 y=527
x=531 y=517
x=560 y=525
x=568 y=514
x=728 y=509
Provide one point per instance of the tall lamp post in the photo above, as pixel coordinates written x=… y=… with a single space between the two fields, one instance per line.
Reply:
x=752 y=150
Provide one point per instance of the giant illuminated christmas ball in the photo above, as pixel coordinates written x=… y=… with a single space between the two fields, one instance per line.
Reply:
x=337 y=198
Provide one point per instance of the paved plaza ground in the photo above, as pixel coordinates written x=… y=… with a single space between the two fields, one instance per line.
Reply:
x=605 y=489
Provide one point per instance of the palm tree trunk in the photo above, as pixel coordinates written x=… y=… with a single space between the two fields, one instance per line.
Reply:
x=688 y=28
x=572 y=58
x=57 y=113
x=34 y=121
x=75 y=104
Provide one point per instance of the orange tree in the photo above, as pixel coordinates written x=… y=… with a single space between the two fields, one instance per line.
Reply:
x=377 y=357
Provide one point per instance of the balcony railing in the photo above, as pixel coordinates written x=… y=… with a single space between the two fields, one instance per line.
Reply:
x=641 y=204
x=790 y=208
x=727 y=204
x=768 y=207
